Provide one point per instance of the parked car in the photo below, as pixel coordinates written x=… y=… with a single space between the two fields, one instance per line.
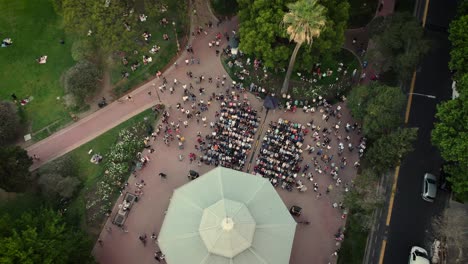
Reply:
x=429 y=190
x=418 y=255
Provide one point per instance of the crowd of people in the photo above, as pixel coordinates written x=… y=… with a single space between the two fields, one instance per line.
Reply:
x=281 y=154
x=233 y=134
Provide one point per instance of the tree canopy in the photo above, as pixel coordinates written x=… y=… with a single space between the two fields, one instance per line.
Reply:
x=41 y=236
x=458 y=36
x=14 y=168
x=9 y=122
x=379 y=107
x=304 y=21
x=400 y=44
x=450 y=133
x=81 y=80
x=105 y=22
x=262 y=36
x=386 y=152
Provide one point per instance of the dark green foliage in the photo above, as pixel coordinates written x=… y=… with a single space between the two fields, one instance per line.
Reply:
x=14 y=168
x=361 y=12
x=387 y=151
x=106 y=23
x=9 y=122
x=450 y=135
x=379 y=107
x=384 y=112
x=400 y=45
x=458 y=36
x=363 y=199
x=262 y=35
x=81 y=80
x=55 y=185
x=41 y=236
x=224 y=7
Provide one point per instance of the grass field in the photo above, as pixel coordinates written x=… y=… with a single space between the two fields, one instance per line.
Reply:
x=176 y=12
x=35 y=30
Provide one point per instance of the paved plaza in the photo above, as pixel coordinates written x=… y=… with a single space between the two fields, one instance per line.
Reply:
x=313 y=243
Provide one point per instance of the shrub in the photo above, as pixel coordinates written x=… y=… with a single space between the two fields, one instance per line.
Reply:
x=81 y=80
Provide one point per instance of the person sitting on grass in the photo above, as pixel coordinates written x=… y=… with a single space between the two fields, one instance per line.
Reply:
x=42 y=59
x=146 y=35
x=6 y=42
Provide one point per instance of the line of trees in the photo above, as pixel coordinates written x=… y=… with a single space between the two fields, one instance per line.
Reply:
x=380 y=110
x=450 y=133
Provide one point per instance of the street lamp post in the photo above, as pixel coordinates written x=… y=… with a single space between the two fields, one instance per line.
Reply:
x=176 y=37
x=424 y=95
x=157 y=93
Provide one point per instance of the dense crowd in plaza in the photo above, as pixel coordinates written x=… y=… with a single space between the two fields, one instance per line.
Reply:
x=291 y=154
x=233 y=134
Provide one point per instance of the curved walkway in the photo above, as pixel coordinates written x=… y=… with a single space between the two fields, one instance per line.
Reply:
x=115 y=113
x=313 y=243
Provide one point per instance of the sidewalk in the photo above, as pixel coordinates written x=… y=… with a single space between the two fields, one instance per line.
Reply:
x=361 y=36
x=312 y=244
x=115 y=113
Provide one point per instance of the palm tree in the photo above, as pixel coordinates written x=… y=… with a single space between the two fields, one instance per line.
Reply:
x=304 y=21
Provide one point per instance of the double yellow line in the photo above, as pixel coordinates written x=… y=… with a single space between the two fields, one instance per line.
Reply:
x=397 y=169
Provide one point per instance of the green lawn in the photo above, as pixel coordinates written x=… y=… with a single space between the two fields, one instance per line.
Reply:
x=90 y=173
x=35 y=30
x=176 y=12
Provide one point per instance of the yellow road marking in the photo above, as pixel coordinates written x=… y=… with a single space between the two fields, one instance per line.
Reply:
x=426 y=8
x=397 y=169
x=410 y=97
x=382 y=251
x=392 y=196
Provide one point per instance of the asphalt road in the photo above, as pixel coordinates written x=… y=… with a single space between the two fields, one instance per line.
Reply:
x=411 y=218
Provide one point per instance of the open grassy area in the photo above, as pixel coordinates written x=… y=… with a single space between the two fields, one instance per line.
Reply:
x=90 y=173
x=176 y=12
x=361 y=12
x=35 y=30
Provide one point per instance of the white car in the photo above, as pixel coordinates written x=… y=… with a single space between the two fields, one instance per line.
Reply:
x=418 y=255
x=429 y=188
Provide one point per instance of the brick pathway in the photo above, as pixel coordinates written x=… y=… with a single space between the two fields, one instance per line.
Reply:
x=313 y=243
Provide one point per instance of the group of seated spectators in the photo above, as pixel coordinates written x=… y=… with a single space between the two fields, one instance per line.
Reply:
x=233 y=135
x=281 y=154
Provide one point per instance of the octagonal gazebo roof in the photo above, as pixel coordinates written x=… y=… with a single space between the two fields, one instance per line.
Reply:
x=227 y=217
